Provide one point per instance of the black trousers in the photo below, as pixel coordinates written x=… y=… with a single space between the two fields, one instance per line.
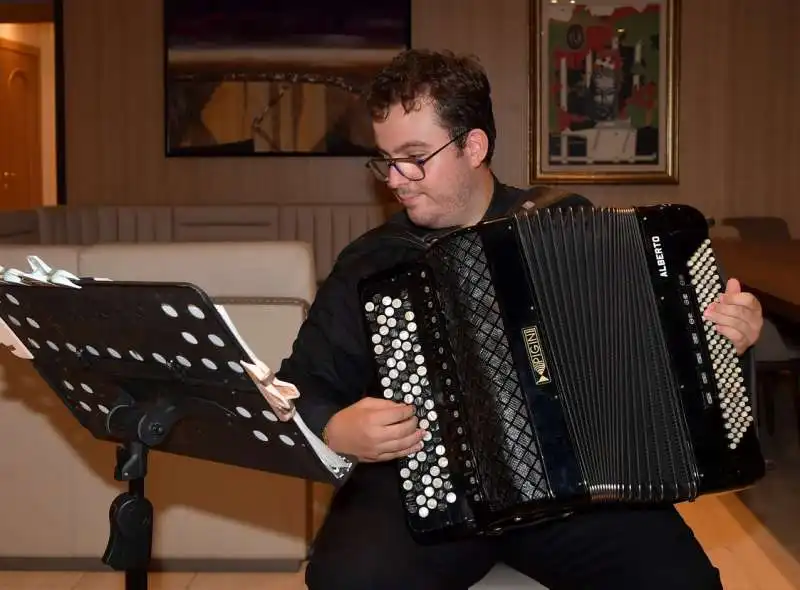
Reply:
x=364 y=545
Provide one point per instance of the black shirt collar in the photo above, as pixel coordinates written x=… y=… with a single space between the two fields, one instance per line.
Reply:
x=504 y=199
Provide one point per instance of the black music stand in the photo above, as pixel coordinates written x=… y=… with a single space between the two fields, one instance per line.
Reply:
x=155 y=366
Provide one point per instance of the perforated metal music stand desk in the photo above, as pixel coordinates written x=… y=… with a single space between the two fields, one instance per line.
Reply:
x=153 y=366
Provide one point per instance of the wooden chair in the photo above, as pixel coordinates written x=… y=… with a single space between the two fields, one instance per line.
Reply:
x=760 y=228
x=776 y=363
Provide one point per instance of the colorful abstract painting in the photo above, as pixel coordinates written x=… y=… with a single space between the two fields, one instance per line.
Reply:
x=605 y=102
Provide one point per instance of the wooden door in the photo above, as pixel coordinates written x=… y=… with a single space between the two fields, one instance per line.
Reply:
x=20 y=127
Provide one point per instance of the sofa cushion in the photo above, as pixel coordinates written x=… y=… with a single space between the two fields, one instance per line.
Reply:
x=57 y=257
x=255 y=269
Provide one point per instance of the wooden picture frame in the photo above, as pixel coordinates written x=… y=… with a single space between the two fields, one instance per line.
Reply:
x=604 y=91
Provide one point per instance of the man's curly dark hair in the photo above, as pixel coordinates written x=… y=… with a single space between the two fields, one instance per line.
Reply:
x=457 y=85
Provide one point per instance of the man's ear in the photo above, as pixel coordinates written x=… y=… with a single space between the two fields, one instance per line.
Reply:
x=476 y=147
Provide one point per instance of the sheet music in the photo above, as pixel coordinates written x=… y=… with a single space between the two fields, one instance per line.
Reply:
x=15 y=345
x=286 y=408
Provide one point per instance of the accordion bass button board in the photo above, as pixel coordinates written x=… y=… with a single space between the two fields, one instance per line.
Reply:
x=559 y=359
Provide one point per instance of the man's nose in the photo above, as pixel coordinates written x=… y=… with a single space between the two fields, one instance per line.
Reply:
x=395 y=179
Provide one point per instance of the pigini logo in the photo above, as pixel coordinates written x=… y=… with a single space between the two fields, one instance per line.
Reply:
x=533 y=345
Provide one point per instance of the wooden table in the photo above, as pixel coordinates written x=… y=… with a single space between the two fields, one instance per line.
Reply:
x=768 y=269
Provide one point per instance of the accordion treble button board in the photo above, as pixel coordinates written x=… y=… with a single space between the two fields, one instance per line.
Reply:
x=732 y=396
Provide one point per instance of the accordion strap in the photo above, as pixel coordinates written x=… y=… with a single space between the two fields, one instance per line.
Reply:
x=535 y=197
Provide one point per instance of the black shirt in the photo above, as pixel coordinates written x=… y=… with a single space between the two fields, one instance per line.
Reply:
x=330 y=359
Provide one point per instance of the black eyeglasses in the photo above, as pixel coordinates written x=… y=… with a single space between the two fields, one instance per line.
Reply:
x=412 y=168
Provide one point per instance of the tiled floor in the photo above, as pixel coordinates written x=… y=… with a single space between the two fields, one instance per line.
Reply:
x=169 y=581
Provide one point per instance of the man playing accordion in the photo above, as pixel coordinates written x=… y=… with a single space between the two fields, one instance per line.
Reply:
x=434 y=125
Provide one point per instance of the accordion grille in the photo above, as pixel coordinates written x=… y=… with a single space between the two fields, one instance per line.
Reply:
x=508 y=464
x=608 y=352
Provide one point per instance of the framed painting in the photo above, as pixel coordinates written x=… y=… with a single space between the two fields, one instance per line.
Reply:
x=276 y=77
x=604 y=91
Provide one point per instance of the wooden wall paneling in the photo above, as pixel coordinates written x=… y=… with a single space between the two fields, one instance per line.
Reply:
x=80 y=94
x=497 y=33
x=704 y=135
x=762 y=169
x=736 y=83
x=793 y=124
x=28 y=11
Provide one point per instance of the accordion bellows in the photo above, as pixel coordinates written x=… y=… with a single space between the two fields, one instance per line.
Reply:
x=558 y=358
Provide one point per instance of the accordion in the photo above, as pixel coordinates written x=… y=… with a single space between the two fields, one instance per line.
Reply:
x=558 y=359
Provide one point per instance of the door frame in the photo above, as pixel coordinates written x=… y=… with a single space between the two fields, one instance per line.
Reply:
x=61 y=142
x=48 y=11
x=37 y=179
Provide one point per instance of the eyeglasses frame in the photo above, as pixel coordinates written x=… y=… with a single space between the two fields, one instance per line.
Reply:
x=420 y=162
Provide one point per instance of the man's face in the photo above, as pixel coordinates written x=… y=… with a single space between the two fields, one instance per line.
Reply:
x=441 y=198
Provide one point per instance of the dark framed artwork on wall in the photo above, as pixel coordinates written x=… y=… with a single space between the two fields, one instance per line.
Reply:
x=604 y=91
x=276 y=77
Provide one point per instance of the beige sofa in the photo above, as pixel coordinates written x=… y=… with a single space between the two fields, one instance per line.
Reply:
x=327 y=228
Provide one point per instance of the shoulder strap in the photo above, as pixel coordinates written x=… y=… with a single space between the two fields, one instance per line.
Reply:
x=541 y=197
x=535 y=197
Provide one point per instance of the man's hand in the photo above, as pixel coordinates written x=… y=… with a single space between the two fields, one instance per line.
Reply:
x=375 y=429
x=737 y=315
